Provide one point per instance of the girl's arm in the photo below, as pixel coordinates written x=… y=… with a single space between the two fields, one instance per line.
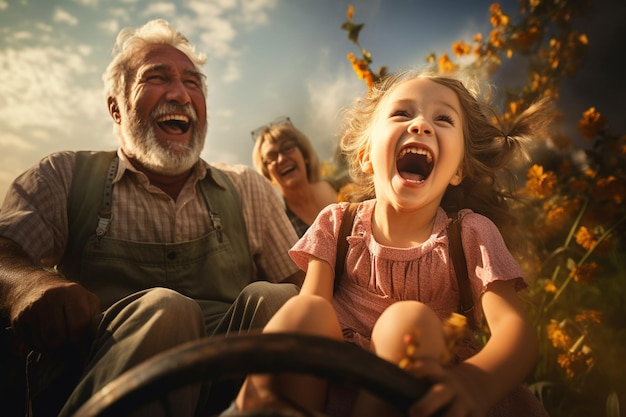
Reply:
x=511 y=351
x=471 y=388
x=319 y=279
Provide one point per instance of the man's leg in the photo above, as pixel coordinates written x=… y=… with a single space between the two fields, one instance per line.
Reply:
x=256 y=305
x=131 y=331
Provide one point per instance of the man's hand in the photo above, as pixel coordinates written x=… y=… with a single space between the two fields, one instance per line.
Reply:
x=53 y=314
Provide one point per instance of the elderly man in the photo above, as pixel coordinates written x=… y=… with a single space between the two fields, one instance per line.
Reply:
x=108 y=258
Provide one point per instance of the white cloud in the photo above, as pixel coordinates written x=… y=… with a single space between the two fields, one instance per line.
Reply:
x=43 y=27
x=218 y=37
x=10 y=140
x=110 y=26
x=84 y=50
x=327 y=97
x=22 y=35
x=254 y=12
x=232 y=72
x=211 y=9
x=39 y=88
x=160 y=9
x=61 y=16
x=219 y=22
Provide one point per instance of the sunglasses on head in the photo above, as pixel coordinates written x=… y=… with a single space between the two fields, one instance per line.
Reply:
x=282 y=120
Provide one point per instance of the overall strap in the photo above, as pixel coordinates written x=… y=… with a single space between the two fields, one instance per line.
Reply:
x=84 y=201
x=459 y=263
x=456 y=254
x=342 y=244
x=226 y=213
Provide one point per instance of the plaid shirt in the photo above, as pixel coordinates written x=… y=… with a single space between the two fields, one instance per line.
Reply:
x=34 y=212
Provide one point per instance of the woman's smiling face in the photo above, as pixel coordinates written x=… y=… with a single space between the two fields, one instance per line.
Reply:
x=416 y=144
x=284 y=162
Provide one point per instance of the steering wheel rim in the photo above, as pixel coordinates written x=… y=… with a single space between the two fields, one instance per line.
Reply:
x=211 y=358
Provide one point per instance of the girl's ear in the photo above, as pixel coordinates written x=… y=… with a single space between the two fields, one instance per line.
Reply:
x=458 y=176
x=114 y=110
x=364 y=161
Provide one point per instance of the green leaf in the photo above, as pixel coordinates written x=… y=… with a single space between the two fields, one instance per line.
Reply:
x=612 y=405
x=353 y=33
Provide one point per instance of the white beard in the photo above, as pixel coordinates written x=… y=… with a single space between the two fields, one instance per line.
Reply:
x=139 y=141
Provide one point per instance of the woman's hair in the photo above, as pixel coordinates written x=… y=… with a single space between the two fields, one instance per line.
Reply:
x=279 y=133
x=488 y=184
x=131 y=41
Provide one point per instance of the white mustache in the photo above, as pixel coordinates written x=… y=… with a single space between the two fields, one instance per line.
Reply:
x=173 y=108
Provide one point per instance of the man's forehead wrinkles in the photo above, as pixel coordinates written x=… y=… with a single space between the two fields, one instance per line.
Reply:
x=169 y=68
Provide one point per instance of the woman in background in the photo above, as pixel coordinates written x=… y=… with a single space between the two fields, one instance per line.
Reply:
x=285 y=156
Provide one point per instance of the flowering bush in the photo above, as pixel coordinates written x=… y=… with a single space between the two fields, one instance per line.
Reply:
x=573 y=207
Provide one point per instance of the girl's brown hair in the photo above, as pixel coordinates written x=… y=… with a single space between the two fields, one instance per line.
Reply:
x=488 y=184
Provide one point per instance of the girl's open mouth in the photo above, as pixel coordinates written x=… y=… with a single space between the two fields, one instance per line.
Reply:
x=414 y=163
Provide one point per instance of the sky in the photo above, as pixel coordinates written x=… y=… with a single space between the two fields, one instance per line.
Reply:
x=266 y=58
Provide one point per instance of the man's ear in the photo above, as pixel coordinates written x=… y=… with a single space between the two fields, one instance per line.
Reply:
x=114 y=110
x=364 y=161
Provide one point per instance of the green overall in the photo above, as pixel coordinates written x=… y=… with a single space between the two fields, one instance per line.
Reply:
x=154 y=295
x=212 y=269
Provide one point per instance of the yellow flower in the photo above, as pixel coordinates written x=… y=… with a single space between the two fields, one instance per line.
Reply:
x=557 y=335
x=361 y=68
x=579 y=185
x=592 y=123
x=350 y=12
x=460 y=48
x=539 y=183
x=446 y=65
x=575 y=363
x=558 y=214
x=497 y=18
x=585 y=273
x=550 y=287
x=610 y=188
x=585 y=238
x=593 y=316
x=347 y=191
x=327 y=169
x=525 y=40
x=495 y=38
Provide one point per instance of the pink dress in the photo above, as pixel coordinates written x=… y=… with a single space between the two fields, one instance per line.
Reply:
x=377 y=276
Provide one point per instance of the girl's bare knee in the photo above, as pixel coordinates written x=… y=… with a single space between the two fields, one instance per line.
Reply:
x=310 y=314
x=408 y=318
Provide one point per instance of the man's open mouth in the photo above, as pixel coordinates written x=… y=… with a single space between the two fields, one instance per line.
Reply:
x=174 y=123
x=414 y=163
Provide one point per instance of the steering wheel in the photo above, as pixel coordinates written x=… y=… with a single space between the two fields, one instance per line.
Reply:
x=211 y=358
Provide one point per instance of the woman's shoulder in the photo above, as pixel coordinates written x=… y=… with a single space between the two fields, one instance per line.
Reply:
x=325 y=191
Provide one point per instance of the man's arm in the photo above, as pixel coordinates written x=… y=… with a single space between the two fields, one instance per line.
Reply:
x=46 y=311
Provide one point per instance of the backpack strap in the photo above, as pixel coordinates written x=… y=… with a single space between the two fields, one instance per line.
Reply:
x=342 y=244
x=459 y=263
